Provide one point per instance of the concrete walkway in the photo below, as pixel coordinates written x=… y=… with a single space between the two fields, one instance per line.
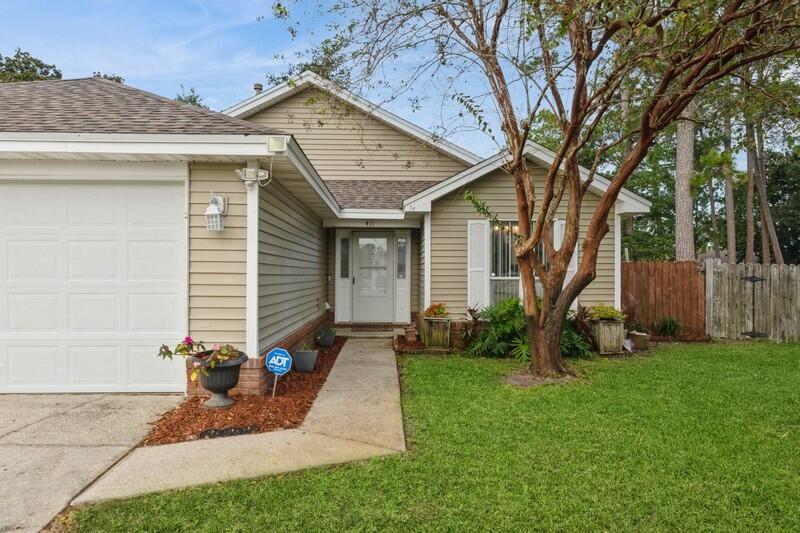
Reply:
x=357 y=415
x=53 y=445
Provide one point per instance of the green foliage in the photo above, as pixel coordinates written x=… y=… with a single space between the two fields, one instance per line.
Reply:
x=190 y=97
x=505 y=325
x=328 y=60
x=110 y=77
x=22 y=66
x=573 y=344
x=506 y=334
x=481 y=207
x=668 y=327
x=605 y=312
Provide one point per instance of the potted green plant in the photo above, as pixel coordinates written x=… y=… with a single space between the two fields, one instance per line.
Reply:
x=305 y=359
x=608 y=326
x=325 y=337
x=217 y=368
x=436 y=327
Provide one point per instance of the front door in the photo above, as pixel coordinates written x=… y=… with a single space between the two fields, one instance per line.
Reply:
x=373 y=290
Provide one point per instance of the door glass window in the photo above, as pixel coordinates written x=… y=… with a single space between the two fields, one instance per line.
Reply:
x=401 y=258
x=373 y=256
x=344 y=259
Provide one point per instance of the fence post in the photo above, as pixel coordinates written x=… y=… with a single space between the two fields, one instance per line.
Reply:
x=710 y=297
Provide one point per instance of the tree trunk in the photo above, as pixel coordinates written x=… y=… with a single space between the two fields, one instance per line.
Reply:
x=764 y=240
x=714 y=227
x=546 y=359
x=684 y=170
x=730 y=220
x=767 y=224
x=750 y=230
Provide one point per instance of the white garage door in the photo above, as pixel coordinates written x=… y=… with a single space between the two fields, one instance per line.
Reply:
x=92 y=282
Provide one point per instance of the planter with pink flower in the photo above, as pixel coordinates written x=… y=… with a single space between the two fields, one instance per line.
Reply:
x=217 y=368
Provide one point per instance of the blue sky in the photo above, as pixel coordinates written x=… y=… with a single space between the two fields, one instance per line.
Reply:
x=218 y=47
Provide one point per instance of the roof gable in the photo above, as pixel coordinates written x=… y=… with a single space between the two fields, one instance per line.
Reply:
x=95 y=105
x=630 y=202
x=274 y=95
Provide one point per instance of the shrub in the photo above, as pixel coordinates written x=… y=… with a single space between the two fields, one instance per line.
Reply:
x=605 y=312
x=668 y=327
x=506 y=335
x=436 y=311
x=505 y=324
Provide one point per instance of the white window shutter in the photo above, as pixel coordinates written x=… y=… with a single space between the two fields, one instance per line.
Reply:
x=478 y=263
x=559 y=228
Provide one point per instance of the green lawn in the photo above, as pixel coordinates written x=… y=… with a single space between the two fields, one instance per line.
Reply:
x=694 y=437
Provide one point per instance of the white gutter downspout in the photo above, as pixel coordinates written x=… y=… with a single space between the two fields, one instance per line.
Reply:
x=251 y=288
x=427 y=273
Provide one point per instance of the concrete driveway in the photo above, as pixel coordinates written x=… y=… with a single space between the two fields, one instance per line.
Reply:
x=54 y=445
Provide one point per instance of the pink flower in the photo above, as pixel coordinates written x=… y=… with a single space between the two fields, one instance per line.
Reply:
x=188 y=340
x=217 y=347
x=196 y=364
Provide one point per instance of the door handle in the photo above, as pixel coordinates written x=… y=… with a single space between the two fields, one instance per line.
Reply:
x=354 y=281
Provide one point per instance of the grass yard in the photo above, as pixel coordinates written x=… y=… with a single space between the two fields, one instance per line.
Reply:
x=694 y=437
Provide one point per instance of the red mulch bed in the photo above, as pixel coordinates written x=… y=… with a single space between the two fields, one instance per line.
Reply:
x=404 y=345
x=250 y=414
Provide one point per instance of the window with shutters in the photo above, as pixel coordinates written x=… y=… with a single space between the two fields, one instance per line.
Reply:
x=504 y=280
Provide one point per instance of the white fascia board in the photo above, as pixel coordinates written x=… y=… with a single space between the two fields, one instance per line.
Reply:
x=273 y=95
x=298 y=158
x=370 y=223
x=189 y=145
x=372 y=214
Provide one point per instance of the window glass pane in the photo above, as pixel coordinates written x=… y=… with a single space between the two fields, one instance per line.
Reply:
x=502 y=289
x=373 y=256
x=344 y=259
x=401 y=258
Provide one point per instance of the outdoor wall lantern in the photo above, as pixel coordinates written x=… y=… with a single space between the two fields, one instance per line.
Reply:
x=215 y=213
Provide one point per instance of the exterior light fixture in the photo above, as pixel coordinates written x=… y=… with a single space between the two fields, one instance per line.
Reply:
x=215 y=213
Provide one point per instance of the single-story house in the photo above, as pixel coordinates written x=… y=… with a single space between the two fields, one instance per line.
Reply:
x=322 y=208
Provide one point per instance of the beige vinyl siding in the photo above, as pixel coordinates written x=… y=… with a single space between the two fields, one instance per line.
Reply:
x=293 y=264
x=449 y=217
x=331 y=268
x=344 y=143
x=217 y=261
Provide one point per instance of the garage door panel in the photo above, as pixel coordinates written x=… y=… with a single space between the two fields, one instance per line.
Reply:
x=93 y=282
x=153 y=260
x=33 y=312
x=94 y=313
x=32 y=260
x=93 y=260
x=33 y=365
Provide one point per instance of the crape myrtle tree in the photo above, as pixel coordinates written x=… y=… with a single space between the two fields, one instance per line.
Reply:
x=574 y=58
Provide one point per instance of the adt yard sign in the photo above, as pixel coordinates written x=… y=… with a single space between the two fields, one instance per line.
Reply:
x=279 y=362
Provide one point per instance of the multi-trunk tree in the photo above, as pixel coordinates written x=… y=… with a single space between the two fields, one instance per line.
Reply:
x=573 y=58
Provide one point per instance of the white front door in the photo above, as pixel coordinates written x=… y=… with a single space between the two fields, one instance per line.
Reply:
x=373 y=266
x=92 y=282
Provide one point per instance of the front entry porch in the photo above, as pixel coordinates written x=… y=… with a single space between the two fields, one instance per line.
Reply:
x=372 y=282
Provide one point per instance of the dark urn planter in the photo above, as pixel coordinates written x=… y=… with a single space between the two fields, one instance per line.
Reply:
x=304 y=360
x=326 y=337
x=220 y=379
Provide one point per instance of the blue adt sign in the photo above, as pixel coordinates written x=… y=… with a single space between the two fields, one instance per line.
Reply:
x=279 y=361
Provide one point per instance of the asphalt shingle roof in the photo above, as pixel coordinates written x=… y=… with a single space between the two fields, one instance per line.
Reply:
x=375 y=194
x=95 y=105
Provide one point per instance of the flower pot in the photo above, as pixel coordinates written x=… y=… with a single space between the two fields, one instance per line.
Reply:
x=436 y=332
x=326 y=337
x=610 y=335
x=220 y=379
x=304 y=360
x=641 y=341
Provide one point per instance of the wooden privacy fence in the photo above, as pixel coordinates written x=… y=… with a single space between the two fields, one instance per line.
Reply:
x=753 y=301
x=652 y=291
